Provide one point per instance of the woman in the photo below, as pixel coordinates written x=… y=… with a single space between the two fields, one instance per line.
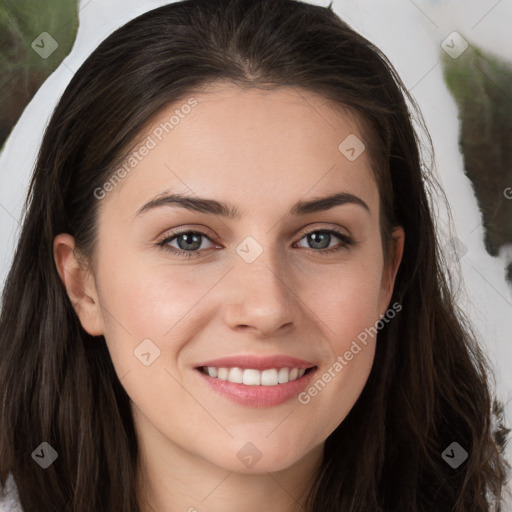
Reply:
x=228 y=292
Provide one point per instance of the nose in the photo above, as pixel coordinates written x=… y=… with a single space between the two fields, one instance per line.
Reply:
x=261 y=296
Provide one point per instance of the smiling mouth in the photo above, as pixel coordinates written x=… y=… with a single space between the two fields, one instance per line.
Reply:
x=254 y=377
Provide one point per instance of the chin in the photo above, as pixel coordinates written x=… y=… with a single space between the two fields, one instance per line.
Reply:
x=261 y=456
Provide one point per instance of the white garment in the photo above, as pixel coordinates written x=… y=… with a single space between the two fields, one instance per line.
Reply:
x=9 y=500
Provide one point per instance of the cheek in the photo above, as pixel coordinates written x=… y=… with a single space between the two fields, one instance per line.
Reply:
x=150 y=313
x=348 y=310
x=151 y=301
x=346 y=300
x=142 y=303
x=347 y=304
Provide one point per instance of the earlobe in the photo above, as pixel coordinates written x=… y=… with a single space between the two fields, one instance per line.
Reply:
x=79 y=284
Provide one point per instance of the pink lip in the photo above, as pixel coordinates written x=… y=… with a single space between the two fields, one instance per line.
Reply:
x=257 y=362
x=259 y=396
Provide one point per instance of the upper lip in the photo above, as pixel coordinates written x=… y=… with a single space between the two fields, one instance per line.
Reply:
x=257 y=362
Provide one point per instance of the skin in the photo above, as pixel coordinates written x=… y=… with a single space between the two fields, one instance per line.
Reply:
x=262 y=151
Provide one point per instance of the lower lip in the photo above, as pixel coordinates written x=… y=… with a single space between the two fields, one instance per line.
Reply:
x=259 y=396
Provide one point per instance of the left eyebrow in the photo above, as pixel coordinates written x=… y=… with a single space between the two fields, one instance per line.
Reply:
x=214 y=207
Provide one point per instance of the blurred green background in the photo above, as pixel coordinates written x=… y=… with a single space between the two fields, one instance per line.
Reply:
x=22 y=68
x=481 y=85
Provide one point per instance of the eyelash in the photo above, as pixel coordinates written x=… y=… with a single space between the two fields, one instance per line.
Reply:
x=347 y=242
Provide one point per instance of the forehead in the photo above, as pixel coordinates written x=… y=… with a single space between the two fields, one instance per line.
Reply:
x=258 y=143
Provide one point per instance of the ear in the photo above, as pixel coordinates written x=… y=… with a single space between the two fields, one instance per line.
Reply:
x=391 y=269
x=79 y=284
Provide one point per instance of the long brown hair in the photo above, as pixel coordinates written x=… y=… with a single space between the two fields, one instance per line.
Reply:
x=429 y=385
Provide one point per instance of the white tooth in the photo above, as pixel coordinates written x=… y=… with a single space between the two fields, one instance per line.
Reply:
x=236 y=375
x=269 y=377
x=283 y=376
x=293 y=374
x=223 y=374
x=251 y=377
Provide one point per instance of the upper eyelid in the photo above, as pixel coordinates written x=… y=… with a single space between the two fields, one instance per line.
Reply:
x=338 y=230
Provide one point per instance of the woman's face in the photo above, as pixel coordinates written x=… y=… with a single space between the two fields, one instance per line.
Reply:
x=267 y=284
